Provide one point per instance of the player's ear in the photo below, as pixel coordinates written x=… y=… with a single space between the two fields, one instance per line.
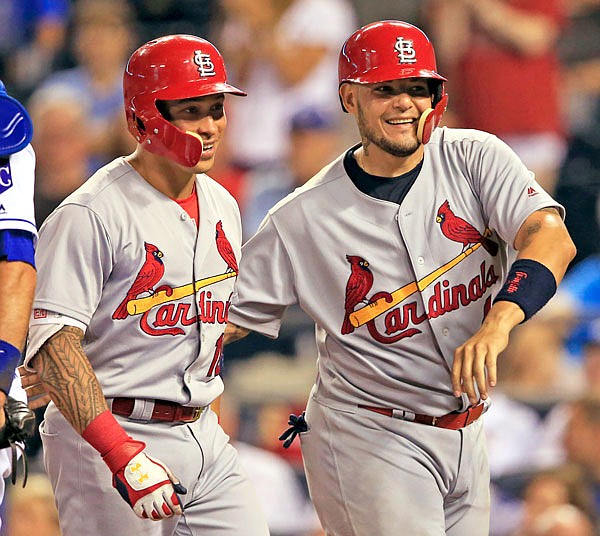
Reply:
x=348 y=97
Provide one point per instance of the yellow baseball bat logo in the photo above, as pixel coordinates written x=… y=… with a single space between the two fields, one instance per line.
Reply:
x=141 y=305
x=373 y=310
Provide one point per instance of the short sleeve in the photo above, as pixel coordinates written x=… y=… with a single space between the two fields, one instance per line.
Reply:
x=508 y=191
x=265 y=285
x=74 y=260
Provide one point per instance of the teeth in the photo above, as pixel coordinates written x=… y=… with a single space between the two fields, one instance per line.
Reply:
x=400 y=121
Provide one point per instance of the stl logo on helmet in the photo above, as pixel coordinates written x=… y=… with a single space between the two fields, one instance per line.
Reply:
x=205 y=65
x=406 y=52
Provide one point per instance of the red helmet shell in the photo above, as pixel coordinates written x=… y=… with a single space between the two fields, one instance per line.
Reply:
x=387 y=50
x=169 y=68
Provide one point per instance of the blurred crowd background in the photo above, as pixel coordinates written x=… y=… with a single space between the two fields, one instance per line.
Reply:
x=525 y=70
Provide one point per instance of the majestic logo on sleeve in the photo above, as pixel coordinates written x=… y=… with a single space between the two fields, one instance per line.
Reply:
x=405 y=50
x=144 y=298
x=400 y=317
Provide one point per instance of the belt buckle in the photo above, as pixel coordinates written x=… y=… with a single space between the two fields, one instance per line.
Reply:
x=434 y=420
x=197 y=413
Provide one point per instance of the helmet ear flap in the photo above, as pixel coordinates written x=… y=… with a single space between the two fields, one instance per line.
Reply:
x=430 y=119
x=135 y=124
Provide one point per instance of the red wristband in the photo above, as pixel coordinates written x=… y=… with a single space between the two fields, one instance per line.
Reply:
x=107 y=436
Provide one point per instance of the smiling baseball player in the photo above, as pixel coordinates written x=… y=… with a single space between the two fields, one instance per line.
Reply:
x=401 y=250
x=136 y=270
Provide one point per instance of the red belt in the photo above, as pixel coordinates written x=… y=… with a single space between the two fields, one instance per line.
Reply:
x=162 y=411
x=451 y=421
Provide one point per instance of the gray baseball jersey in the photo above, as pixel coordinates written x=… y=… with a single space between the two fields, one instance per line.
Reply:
x=153 y=290
x=332 y=249
x=124 y=261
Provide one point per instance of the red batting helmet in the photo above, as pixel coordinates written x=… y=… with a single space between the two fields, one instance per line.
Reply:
x=393 y=50
x=170 y=68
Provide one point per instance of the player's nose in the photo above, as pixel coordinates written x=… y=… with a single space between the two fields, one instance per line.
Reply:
x=402 y=101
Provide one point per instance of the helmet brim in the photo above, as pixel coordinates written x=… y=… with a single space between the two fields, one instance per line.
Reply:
x=381 y=74
x=197 y=89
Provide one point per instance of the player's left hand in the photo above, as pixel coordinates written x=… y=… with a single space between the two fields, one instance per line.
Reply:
x=149 y=487
x=474 y=366
x=37 y=396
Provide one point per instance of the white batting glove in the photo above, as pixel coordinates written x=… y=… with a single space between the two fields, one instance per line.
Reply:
x=149 y=487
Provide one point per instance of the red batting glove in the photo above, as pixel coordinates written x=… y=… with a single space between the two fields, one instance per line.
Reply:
x=146 y=484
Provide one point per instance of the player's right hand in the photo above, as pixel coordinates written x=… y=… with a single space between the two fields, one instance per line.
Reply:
x=149 y=487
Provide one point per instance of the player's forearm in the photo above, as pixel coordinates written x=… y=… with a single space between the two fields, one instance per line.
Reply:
x=528 y=33
x=17 y=286
x=234 y=333
x=544 y=238
x=67 y=375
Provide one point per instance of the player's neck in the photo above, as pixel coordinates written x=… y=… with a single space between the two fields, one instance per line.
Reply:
x=167 y=177
x=377 y=162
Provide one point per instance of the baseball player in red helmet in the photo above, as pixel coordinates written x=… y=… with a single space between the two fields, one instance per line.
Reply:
x=415 y=252
x=129 y=315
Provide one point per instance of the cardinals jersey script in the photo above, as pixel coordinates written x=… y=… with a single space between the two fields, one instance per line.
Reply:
x=148 y=275
x=393 y=289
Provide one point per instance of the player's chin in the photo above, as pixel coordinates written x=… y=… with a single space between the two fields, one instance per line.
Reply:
x=204 y=165
x=402 y=148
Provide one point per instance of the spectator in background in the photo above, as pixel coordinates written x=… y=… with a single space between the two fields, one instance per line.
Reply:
x=501 y=60
x=315 y=140
x=33 y=36
x=103 y=38
x=563 y=520
x=367 y=12
x=548 y=490
x=285 y=52
x=579 y=182
x=62 y=139
x=166 y=17
x=280 y=489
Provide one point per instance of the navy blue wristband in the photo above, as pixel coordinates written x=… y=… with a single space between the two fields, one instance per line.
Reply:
x=9 y=360
x=529 y=284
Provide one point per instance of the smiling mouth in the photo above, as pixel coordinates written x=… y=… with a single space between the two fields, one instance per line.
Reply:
x=396 y=122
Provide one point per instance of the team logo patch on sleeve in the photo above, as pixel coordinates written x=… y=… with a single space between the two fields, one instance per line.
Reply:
x=6 y=180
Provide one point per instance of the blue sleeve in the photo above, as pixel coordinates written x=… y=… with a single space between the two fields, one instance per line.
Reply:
x=17 y=245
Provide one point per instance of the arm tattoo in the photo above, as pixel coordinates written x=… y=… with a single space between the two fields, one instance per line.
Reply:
x=69 y=378
x=535 y=226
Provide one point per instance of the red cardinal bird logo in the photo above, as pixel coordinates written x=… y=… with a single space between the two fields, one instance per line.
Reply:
x=358 y=285
x=150 y=273
x=463 y=232
x=225 y=249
